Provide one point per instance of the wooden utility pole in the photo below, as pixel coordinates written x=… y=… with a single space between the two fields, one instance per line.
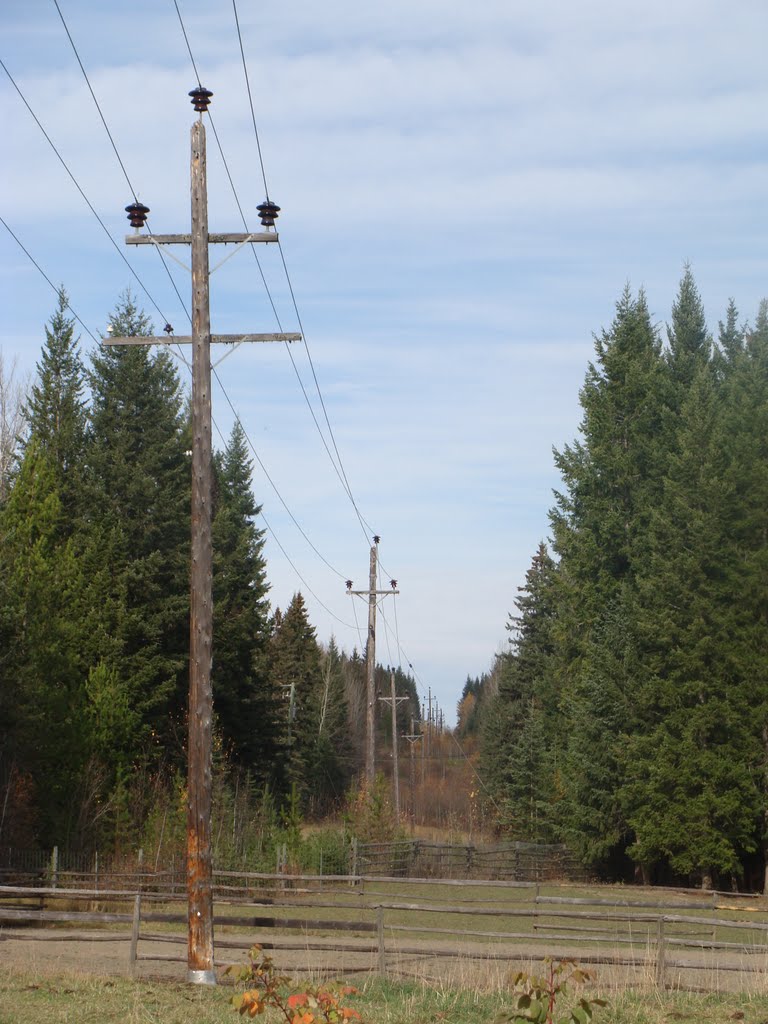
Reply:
x=200 y=956
x=370 y=661
x=413 y=738
x=394 y=700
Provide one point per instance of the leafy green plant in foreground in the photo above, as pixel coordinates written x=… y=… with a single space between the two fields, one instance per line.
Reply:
x=536 y=998
x=309 y=1005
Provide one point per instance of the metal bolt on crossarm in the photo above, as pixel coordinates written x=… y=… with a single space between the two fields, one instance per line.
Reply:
x=201 y=98
x=137 y=214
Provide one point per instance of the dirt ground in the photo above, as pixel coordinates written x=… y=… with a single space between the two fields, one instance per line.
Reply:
x=102 y=953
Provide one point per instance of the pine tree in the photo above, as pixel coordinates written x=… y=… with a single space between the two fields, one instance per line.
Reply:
x=295 y=672
x=43 y=587
x=56 y=411
x=43 y=699
x=334 y=759
x=692 y=799
x=612 y=480
x=140 y=494
x=242 y=698
x=745 y=433
x=690 y=346
x=520 y=735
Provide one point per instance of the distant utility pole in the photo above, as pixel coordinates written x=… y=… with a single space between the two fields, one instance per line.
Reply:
x=394 y=701
x=370 y=720
x=413 y=738
x=200 y=962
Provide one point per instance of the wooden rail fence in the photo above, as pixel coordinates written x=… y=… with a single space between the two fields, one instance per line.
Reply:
x=488 y=921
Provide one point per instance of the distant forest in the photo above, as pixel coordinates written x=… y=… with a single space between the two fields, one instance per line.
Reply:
x=629 y=717
x=94 y=617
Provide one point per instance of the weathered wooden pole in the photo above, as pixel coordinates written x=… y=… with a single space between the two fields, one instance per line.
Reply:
x=200 y=960
x=370 y=693
x=395 y=766
x=200 y=963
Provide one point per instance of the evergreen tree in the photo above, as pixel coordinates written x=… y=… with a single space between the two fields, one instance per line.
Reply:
x=334 y=760
x=295 y=672
x=12 y=422
x=242 y=698
x=140 y=496
x=600 y=522
x=43 y=698
x=519 y=748
x=44 y=633
x=690 y=346
x=692 y=799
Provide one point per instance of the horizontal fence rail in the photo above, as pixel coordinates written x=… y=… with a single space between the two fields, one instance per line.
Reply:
x=417 y=858
x=382 y=921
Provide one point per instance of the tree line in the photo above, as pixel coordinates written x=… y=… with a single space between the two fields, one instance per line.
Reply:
x=629 y=717
x=94 y=610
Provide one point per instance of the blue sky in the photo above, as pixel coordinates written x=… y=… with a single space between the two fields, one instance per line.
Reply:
x=466 y=189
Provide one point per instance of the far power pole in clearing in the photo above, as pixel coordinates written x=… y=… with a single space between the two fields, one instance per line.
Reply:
x=200 y=960
x=370 y=648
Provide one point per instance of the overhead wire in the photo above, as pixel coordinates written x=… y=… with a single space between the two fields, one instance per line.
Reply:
x=367 y=530
x=85 y=198
x=347 y=487
x=273 y=306
x=339 y=471
x=134 y=193
x=115 y=149
x=366 y=527
x=273 y=484
x=56 y=288
x=90 y=333
x=170 y=342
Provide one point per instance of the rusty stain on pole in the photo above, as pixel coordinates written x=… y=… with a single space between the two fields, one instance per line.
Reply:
x=200 y=959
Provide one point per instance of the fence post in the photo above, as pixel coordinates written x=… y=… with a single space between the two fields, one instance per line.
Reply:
x=54 y=867
x=714 y=914
x=133 y=953
x=353 y=872
x=536 y=907
x=660 y=954
x=380 y=934
x=96 y=871
x=140 y=868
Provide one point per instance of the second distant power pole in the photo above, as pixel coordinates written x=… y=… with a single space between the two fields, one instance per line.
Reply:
x=370 y=660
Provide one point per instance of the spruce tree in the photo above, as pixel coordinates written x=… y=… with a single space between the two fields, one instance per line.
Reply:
x=612 y=478
x=520 y=734
x=692 y=798
x=44 y=668
x=43 y=588
x=140 y=493
x=295 y=673
x=334 y=759
x=242 y=698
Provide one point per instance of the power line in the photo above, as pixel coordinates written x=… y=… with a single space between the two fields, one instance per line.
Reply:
x=274 y=536
x=133 y=192
x=338 y=468
x=276 y=539
x=250 y=99
x=87 y=201
x=274 y=485
x=29 y=255
x=143 y=286
x=114 y=147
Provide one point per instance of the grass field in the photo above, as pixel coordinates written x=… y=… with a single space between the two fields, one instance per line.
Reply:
x=76 y=999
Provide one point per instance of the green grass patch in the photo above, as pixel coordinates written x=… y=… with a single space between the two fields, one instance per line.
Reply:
x=76 y=999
